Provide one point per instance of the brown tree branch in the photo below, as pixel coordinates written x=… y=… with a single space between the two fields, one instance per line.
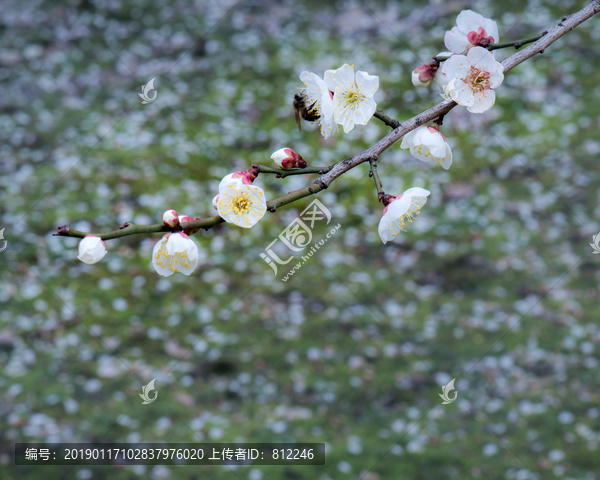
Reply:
x=285 y=172
x=553 y=34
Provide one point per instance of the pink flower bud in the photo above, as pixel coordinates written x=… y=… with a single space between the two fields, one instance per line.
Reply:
x=246 y=176
x=170 y=218
x=287 y=158
x=215 y=201
x=185 y=218
x=424 y=74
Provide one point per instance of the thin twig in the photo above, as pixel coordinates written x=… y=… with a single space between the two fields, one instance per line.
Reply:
x=389 y=121
x=373 y=173
x=286 y=172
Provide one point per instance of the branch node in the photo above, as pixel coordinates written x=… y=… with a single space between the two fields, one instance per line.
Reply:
x=272 y=209
x=125 y=225
x=64 y=230
x=440 y=120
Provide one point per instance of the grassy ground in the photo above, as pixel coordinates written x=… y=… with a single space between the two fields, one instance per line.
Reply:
x=494 y=285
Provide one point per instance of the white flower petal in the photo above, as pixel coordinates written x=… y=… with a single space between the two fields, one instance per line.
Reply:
x=491 y=28
x=457 y=66
x=456 y=41
x=416 y=192
x=462 y=93
x=91 y=249
x=408 y=139
x=173 y=253
x=229 y=180
x=469 y=21
x=342 y=76
x=497 y=76
x=482 y=101
x=482 y=59
x=368 y=84
x=446 y=161
x=440 y=78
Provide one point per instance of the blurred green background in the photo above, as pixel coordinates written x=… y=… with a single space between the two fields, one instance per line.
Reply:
x=494 y=285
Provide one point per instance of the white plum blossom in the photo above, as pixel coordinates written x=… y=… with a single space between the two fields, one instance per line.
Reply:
x=353 y=102
x=91 y=249
x=472 y=79
x=320 y=99
x=240 y=204
x=287 y=158
x=171 y=218
x=472 y=30
x=428 y=145
x=401 y=210
x=175 y=252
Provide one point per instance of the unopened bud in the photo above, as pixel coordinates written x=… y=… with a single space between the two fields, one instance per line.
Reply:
x=185 y=218
x=287 y=158
x=91 y=249
x=424 y=74
x=171 y=218
x=215 y=201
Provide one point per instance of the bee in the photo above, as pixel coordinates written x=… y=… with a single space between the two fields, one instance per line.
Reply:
x=308 y=113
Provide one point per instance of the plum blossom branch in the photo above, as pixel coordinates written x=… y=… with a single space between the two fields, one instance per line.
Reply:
x=373 y=173
x=516 y=44
x=389 y=121
x=496 y=46
x=285 y=172
x=442 y=108
x=399 y=130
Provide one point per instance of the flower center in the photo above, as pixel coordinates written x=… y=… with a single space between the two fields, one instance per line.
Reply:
x=352 y=98
x=241 y=203
x=480 y=38
x=478 y=80
x=414 y=210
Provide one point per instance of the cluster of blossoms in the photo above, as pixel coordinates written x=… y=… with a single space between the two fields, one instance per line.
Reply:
x=341 y=98
x=468 y=74
x=468 y=80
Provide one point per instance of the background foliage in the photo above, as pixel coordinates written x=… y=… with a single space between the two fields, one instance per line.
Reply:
x=495 y=285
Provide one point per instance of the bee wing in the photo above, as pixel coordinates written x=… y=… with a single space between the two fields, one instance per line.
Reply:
x=298 y=119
